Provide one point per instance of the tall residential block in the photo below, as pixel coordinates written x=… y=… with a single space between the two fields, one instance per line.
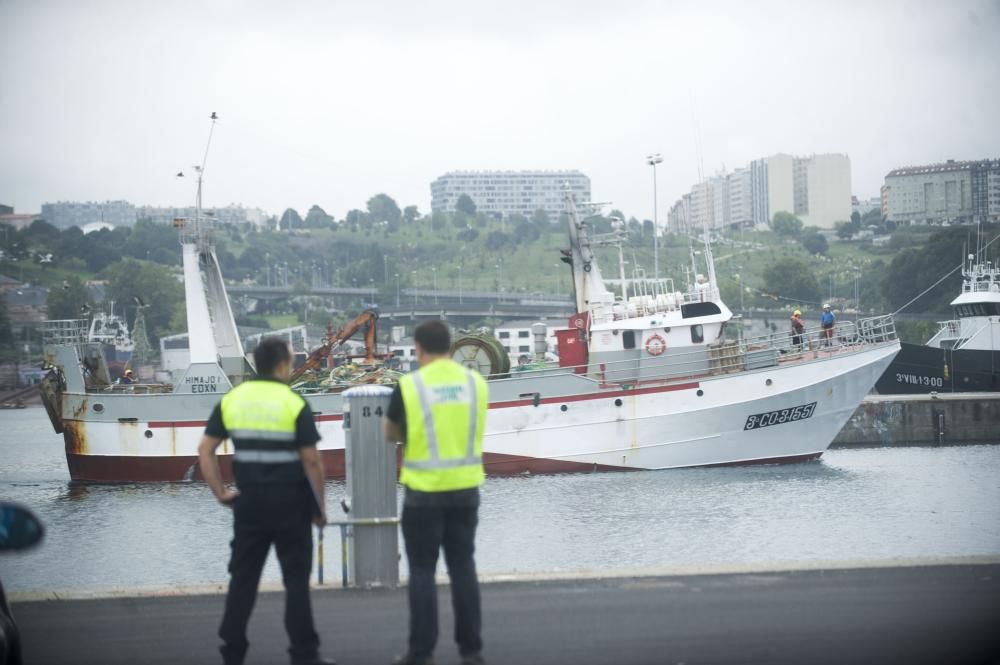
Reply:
x=817 y=189
x=503 y=193
x=828 y=190
x=780 y=184
x=953 y=191
x=740 y=190
x=759 y=193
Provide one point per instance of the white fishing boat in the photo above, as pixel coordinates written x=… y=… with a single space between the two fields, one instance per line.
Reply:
x=646 y=379
x=112 y=330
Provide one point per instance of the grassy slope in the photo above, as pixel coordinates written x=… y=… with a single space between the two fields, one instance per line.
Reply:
x=536 y=267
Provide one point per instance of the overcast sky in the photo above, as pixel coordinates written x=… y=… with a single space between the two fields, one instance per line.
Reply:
x=330 y=102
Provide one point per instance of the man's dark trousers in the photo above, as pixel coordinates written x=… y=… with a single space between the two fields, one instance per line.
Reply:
x=264 y=514
x=432 y=521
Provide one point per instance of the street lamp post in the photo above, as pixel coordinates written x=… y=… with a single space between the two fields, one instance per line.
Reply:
x=739 y=276
x=653 y=160
x=434 y=273
x=413 y=282
x=460 y=266
x=499 y=277
x=396 y=275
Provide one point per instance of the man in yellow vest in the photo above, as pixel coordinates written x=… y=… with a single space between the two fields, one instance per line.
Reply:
x=280 y=480
x=439 y=412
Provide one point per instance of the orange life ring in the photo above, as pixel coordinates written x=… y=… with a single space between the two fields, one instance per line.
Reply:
x=656 y=345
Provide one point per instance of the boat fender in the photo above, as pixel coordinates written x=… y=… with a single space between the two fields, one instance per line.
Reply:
x=586 y=267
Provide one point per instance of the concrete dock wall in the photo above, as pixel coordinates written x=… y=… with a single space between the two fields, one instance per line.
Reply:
x=923 y=419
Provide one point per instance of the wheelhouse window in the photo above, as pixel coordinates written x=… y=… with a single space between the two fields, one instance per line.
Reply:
x=628 y=339
x=691 y=310
x=697 y=334
x=978 y=309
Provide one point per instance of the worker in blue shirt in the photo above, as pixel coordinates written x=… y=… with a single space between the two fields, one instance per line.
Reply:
x=827 y=320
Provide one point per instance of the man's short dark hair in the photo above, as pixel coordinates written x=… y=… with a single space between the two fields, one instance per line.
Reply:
x=433 y=337
x=271 y=352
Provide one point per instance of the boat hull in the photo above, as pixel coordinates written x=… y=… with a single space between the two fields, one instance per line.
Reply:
x=554 y=424
x=918 y=370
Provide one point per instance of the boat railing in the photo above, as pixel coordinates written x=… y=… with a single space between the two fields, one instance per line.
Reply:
x=201 y=231
x=140 y=388
x=65 y=331
x=747 y=354
x=956 y=334
x=642 y=304
x=947 y=330
x=981 y=286
x=709 y=293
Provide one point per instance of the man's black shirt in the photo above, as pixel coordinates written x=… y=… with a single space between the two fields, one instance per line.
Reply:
x=397 y=411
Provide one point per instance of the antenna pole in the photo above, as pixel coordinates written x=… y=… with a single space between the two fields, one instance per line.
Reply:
x=653 y=160
x=656 y=231
x=201 y=175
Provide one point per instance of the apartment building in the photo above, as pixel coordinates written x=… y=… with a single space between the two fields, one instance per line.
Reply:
x=953 y=191
x=64 y=214
x=502 y=193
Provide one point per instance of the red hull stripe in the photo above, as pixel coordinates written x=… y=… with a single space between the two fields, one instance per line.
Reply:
x=322 y=418
x=153 y=424
x=122 y=468
x=493 y=405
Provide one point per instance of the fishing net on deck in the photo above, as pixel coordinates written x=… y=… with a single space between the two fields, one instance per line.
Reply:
x=345 y=376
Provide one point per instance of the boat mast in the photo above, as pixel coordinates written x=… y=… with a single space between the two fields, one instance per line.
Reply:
x=619 y=227
x=212 y=333
x=588 y=285
x=710 y=262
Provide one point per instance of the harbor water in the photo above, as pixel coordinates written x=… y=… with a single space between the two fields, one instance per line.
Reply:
x=854 y=504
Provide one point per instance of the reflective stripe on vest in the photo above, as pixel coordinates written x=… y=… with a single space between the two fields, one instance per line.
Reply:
x=266 y=456
x=262 y=434
x=435 y=462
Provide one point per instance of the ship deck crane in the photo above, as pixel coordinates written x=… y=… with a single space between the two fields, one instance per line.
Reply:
x=365 y=320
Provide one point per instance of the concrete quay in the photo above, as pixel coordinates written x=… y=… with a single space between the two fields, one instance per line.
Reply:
x=937 y=419
x=916 y=612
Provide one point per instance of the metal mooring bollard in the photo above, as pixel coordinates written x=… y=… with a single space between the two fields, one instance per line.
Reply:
x=373 y=551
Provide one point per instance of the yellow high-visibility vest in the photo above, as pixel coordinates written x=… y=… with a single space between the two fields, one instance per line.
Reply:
x=446 y=408
x=260 y=417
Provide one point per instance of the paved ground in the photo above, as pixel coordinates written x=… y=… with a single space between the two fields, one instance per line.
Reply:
x=938 y=615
